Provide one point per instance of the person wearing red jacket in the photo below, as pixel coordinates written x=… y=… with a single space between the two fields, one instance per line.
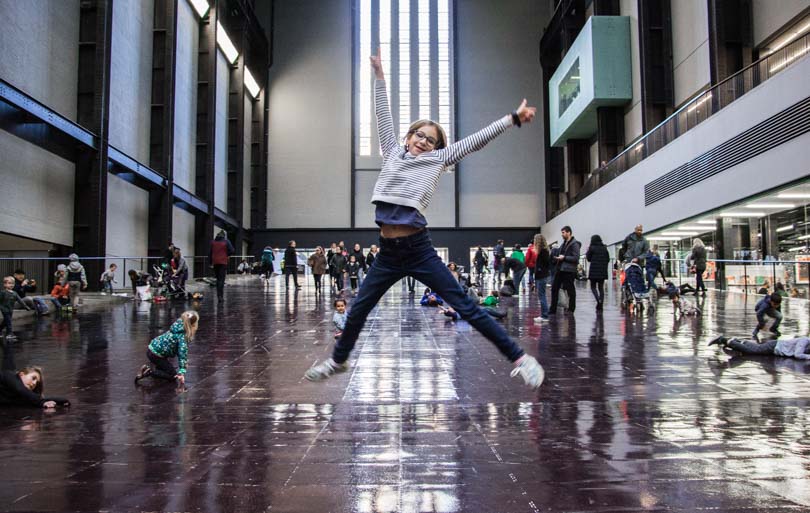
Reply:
x=221 y=249
x=531 y=262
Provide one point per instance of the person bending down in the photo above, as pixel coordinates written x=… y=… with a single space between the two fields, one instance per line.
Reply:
x=791 y=348
x=769 y=316
x=23 y=387
x=407 y=181
x=168 y=345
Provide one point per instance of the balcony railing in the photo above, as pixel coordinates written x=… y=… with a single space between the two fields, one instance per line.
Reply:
x=693 y=113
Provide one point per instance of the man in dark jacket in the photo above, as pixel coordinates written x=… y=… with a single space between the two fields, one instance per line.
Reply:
x=479 y=262
x=635 y=246
x=291 y=265
x=221 y=249
x=567 y=262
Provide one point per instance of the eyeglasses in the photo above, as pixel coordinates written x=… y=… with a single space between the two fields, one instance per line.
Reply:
x=422 y=135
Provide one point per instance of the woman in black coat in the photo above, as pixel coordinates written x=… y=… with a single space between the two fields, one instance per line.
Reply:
x=599 y=260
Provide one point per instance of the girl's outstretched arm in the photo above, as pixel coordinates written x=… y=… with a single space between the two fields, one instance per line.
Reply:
x=385 y=123
x=460 y=149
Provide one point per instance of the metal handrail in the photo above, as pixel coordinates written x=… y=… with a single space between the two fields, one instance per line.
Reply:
x=691 y=114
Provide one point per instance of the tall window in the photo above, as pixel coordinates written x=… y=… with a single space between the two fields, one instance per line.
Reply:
x=415 y=41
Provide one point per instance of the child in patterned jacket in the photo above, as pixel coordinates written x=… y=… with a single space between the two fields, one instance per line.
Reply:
x=168 y=345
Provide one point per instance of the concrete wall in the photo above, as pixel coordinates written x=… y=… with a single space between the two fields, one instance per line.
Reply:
x=40 y=50
x=127 y=224
x=632 y=113
x=185 y=103
x=37 y=188
x=183 y=235
x=690 y=48
x=504 y=184
x=768 y=19
x=613 y=210
x=131 y=77
x=221 y=138
x=310 y=115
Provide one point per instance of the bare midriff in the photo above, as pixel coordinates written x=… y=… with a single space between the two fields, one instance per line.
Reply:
x=393 y=231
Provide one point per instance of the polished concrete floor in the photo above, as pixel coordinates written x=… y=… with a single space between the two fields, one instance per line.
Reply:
x=636 y=413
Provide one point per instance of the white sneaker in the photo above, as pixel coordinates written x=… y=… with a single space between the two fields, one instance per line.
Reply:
x=531 y=371
x=326 y=368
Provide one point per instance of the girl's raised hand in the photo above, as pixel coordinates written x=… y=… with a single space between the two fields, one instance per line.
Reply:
x=526 y=113
x=376 y=65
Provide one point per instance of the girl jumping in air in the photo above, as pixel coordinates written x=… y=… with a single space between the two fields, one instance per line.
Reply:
x=168 y=345
x=408 y=178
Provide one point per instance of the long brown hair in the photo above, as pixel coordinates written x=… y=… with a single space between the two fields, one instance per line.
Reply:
x=540 y=242
x=416 y=125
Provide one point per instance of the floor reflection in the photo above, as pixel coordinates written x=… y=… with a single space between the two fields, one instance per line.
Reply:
x=636 y=414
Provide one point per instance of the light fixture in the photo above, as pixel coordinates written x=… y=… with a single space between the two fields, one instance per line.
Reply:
x=709 y=248
x=742 y=214
x=792 y=36
x=770 y=205
x=784 y=228
x=226 y=45
x=794 y=195
x=679 y=233
x=201 y=6
x=803 y=237
x=707 y=221
x=250 y=82
x=693 y=227
x=664 y=238
x=798 y=248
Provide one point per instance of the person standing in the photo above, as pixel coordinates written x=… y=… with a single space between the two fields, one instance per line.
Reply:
x=652 y=266
x=291 y=265
x=76 y=278
x=372 y=255
x=599 y=259
x=337 y=264
x=480 y=261
x=317 y=262
x=268 y=257
x=221 y=249
x=498 y=253
x=567 y=262
x=357 y=253
x=635 y=246
x=541 y=274
x=696 y=261
x=531 y=260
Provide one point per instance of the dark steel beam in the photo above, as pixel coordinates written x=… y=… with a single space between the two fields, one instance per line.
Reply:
x=39 y=112
x=90 y=211
x=206 y=127
x=655 y=55
x=164 y=45
x=127 y=164
x=190 y=202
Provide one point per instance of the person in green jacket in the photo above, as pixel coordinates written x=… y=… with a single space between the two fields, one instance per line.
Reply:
x=168 y=345
x=518 y=254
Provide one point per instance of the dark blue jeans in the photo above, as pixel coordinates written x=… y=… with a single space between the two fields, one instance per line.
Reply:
x=752 y=347
x=415 y=256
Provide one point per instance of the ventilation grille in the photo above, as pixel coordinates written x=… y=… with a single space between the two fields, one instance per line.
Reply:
x=778 y=129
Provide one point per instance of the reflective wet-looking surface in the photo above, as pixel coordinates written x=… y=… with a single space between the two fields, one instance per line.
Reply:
x=636 y=413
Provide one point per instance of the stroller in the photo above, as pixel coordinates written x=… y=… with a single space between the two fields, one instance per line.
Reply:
x=634 y=290
x=166 y=284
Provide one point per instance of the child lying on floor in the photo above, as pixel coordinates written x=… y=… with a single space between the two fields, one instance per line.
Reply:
x=23 y=387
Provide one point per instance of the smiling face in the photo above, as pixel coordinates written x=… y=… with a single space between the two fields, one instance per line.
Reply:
x=423 y=139
x=30 y=379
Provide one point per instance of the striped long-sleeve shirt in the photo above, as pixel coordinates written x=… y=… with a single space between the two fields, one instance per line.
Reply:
x=411 y=181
